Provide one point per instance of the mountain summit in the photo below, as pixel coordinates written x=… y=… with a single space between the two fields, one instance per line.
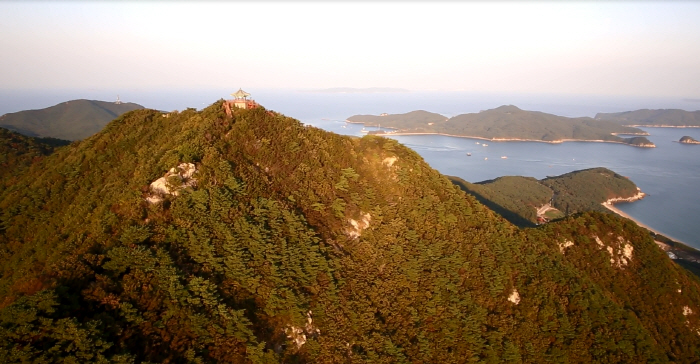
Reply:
x=201 y=237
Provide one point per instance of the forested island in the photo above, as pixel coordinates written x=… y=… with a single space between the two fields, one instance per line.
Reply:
x=688 y=140
x=70 y=120
x=507 y=123
x=248 y=237
x=670 y=118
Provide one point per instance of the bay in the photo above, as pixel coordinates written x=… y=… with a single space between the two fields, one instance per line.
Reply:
x=669 y=174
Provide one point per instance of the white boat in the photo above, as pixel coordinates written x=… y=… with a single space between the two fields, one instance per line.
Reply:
x=485 y=145
x=504 y=157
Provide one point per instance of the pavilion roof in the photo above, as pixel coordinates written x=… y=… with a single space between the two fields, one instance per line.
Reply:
x=240 y=94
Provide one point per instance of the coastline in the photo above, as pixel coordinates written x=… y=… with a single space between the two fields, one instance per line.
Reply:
x=614 y=209
x=519 y=140
x=610 y=206
x=664 y=126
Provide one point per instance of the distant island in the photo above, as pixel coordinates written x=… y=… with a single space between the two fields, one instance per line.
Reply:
x=70 y=120
x=507 y=123
x=688 y=140
x=667 y=118
x=360 y=90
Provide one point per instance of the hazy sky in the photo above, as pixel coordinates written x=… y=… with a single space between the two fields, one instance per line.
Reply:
x=630 y=48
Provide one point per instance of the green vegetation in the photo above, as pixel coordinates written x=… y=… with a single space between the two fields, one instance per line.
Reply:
x=515 y=198
x=17 y=152
x=507 y=123
x=585 y=190
x=638 y=142
x=646 y=117
x=414 y=120
x=519 y=198
x=299 y=245
x=71 y=120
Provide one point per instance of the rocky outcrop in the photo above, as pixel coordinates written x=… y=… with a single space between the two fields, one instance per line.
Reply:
x=688 y=140
x=172 y=183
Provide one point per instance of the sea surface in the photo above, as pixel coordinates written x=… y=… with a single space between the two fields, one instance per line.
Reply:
x=669 y=174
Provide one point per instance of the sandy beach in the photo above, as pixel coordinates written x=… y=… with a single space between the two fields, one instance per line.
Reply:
x=612 y=208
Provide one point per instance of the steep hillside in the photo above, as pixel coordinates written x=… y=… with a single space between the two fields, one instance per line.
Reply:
x=606 y=249
x=515 y=198
x=508 y=122
x=197 y=237
x=71 y=120
x=17 y=152
x=646 y=117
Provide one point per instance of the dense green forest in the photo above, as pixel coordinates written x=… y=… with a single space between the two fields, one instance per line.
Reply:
x=646 y=117
x=507 y=122
x=518 y=198
x=70 y=120
x=18 y=152
x=197 y=237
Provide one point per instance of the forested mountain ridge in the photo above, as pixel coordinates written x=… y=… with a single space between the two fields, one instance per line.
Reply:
x=70 y=120
x=287 y=243
x=518 y=198
x=659 y=117
x=507 y=122
x=18 y=151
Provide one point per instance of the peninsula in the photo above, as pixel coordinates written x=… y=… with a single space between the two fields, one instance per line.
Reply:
x=508 y=123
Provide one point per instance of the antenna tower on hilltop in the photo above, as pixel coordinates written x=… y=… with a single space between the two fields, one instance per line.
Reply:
x=118 y=101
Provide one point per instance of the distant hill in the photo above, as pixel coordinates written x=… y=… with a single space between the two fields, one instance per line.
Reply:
x=518 y=199
x=71 y=120
x=646 y=117
x=410 y=120
x=508 y=123
x=360 y=90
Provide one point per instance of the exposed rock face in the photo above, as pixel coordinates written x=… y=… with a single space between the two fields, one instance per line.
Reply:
x=564 y=245
x=621 y=254
x=514 y=296
x=298 y=335
x=640 y=195
x=358 y=226
x=172 y=182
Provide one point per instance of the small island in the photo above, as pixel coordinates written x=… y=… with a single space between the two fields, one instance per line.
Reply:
x=688 y=140
x=507 y=123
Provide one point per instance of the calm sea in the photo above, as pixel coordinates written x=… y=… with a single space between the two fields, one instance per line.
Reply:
x=669 y=173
